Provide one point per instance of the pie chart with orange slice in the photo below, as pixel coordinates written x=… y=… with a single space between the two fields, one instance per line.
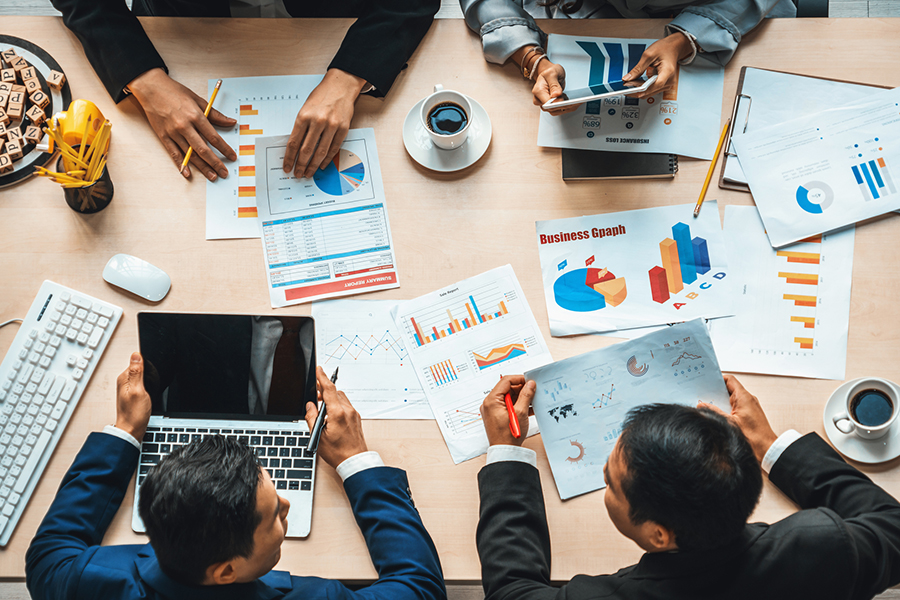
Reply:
x=342 y=176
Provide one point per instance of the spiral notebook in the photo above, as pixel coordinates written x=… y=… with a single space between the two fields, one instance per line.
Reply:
x=583 y=165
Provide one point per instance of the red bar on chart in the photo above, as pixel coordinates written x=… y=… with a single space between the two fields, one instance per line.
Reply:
x=659 y=285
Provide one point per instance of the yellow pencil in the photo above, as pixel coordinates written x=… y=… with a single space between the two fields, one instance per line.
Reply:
x=209 y=104
x=712 y=167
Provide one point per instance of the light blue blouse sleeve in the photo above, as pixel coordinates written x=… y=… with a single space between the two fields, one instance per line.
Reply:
x=719 y=25
x=504 y=27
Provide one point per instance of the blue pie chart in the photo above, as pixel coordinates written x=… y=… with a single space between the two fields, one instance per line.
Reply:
x=571 y=293
x=814 y=197
x=342 y=176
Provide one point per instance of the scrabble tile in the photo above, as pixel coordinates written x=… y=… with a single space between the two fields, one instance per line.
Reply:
x=56 y=79
x=5 y=87
x=6 y=164
x=4 y=99
x=17 y=88
x=14 y=149
x=29 y=73
x=13 y=133
x=33 y=135
x=4 y=118
x=8 y=75
x=15 y=111
x=8 y=55
x=39 y=98
x=4 y=130
x=16 y=98
x=19 y=64
x=36 y=114
x=31 y=85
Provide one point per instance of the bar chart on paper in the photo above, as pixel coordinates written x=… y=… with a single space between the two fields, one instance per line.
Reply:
x=792 y=318
x=461 y=339
x=360 y=338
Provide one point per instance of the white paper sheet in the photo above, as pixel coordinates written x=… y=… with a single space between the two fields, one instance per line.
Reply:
x=376 y=373
x=328 y=235
x=685 y=120
x=792 y=313
x=262 y=106
x=779 y=97
x=827 y=170
x=580 y=402
x=642 y=290
x=462 y=338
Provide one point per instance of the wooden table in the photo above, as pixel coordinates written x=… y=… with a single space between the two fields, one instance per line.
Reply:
x=159 y=216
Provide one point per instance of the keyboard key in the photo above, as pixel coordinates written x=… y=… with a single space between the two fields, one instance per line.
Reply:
x=260 y=451
x=293 y=485
x=77 y=323
x=184 y=438
x=23 y=354
x=105 y=311
x=55 y=341
x=279 y=441
x=299 y=474
x=306 y=485
x=37 y=375
x=296 y=452
x=34 y=357
x=304 y=463
x=60 y=331
x=87 y=354
x=271 y=451
x=291 y=441
x=65 y=296
x=81 y=314
x=71 y=334
x=279 y=473
x=50 y=325
x=55 y=389
x=87 y=328
x=58 y=410
x=267 y=441
x=92 y=318
x=150 y=459
x=95 y=338
x=263 y=461
x=196 y=437
x=71 y=310
x=308 y=454
x=102 y=322
x=244 y=439
x=284 y=451
x=50 y=425
x=45 y=363
x=165 y=448
x=49 y=352
x=33 y=333
x=68 y=390
x=46 y=408
x=36 y=454
x=25 y=374
x=255 y=440
x=171 y=437
x=81 y=302
x=270 y=472
x=55 y=315
x=303 y=442
x=281 y=485
x=66 y=321
x=77 y=374
x=159 y=437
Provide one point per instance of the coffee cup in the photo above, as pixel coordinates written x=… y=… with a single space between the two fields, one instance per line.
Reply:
x=446 y=116
x=870 y=410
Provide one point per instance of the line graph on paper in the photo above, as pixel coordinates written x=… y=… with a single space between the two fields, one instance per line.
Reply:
x=364 y=347
x=464 y=417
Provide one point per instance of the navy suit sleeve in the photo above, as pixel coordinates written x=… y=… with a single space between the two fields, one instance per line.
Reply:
x=814 y=476
x=402 y=551
x=72 y=530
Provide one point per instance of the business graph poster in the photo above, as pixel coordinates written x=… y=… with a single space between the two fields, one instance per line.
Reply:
x=634 y=269
x=684 y=120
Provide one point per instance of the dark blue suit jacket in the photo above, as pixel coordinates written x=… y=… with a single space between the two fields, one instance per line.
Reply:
x=65 y=559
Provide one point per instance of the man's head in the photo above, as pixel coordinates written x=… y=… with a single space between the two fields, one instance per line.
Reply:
x=681 y=477
x=212 y=514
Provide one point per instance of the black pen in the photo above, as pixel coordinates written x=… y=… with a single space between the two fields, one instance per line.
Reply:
x=316 y=434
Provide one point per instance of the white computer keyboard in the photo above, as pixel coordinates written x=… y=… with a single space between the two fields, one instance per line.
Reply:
x=42 y=378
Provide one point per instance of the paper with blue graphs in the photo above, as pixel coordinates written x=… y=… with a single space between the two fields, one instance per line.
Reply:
x=683 y=120
x=581 y=402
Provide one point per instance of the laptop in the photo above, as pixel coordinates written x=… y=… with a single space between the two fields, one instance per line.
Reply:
x=246 y=377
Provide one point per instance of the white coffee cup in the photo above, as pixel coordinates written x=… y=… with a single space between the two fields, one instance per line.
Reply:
x=440 y=96
x=847 y=420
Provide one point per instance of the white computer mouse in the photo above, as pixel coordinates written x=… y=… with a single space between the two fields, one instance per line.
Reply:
x=137 y=276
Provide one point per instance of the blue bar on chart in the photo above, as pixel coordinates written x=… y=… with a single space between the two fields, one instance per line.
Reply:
x=616 y=61
x=701 y=255
x=443 y=373
x=682 y=235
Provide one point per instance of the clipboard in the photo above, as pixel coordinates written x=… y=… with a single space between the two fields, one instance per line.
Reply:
x=743 y=98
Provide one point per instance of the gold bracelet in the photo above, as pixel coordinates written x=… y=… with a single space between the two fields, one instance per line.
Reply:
x=526 y=73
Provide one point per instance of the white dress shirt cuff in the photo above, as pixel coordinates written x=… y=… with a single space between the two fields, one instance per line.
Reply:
x=502 y=453
x=113 y=430
x=359 y=462
x=778 y=446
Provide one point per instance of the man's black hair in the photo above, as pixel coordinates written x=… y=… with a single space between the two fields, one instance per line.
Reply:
x=689 y=470
x=199 y=506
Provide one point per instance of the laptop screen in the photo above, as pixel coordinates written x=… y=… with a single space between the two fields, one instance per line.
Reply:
x=228 y=366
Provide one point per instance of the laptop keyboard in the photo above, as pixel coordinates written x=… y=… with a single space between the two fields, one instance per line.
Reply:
x=282 y=453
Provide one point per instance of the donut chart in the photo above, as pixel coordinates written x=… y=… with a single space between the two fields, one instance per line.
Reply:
x=342 y=176
x=814 y=197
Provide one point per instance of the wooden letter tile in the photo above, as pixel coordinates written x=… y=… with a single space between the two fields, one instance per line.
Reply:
x=29 y=73
x=36 y=114
x=8 y=75
x=4 y=118
x=39 y=98
x=56 y=79
x=14 y=149
x=8 y=55
x=17 y=88
x=4 y=130
x=4 y=99
x=15 y=111
x=6 y=164
x=19 y=64
x=31 y=85
x=13 y=133
x=33 y=135
x=5 y=87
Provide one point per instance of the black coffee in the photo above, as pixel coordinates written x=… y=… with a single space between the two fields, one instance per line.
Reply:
x=447 y=118
x=871 y=407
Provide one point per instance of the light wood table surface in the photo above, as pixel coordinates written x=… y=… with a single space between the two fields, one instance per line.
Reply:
x=159 y=216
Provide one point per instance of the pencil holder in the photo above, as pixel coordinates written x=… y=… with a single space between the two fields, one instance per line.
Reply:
x=92 y=198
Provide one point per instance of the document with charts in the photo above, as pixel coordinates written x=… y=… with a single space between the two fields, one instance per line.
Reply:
x=637 y=268
x=581 y=402
x=827 y=170
x=262 y=106
x=683 y=120
x=376 y=373
x=327 y=235
x=793 y=308
x=462 y=338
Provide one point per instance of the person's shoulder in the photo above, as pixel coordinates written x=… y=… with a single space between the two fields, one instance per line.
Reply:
x=111 y=572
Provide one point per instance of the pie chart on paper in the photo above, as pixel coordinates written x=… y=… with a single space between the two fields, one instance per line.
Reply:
x=342 y=176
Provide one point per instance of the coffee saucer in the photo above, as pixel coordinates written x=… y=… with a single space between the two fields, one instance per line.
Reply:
x=424 y=152
x=851 y=445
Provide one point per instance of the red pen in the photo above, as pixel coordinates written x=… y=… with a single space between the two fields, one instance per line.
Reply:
x=513 y=420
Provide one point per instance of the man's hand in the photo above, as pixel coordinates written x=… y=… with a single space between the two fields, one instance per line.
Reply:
x=749 y=416
x=495 y=415
x=550 y=83
x=322 y=123
x=176 y=115
x=661 y=59
x=342 y=436
x=132 y=400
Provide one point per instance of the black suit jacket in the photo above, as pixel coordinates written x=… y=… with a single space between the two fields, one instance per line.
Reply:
x=844 y=543
x=375 y=48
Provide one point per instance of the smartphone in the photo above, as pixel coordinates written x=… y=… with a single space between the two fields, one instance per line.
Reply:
x=601 y=90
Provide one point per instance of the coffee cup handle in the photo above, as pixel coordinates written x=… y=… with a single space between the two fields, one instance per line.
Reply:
x=843 y=423
x=438 y=87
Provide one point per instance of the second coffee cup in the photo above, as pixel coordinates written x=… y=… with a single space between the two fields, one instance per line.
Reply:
x=870 y=410
x=446 y=116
